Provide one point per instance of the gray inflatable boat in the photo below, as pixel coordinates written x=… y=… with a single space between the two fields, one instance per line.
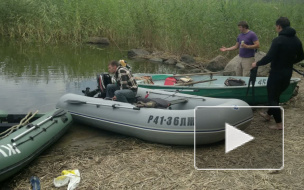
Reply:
x=172 y=125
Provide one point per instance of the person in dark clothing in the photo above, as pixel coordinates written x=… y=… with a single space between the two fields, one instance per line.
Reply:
x=125 y=87
x=285 y=50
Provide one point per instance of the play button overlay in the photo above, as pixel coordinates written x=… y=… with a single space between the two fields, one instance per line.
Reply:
x=235 y=138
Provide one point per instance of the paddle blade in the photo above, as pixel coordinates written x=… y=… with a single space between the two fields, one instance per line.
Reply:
x=58 y=113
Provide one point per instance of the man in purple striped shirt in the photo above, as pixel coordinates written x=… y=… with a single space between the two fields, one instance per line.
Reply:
x=247 y=42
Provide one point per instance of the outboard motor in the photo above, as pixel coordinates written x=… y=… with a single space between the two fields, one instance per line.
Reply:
x=103 y=80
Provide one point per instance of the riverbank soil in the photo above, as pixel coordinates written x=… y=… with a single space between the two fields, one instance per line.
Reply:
x=112 y=161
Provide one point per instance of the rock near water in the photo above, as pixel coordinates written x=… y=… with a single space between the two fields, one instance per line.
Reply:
x=217 y=64
x=187 y=59
x=137 y=53
x=230 y=68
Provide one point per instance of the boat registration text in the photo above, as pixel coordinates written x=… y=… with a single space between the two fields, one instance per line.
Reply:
x=177 y=121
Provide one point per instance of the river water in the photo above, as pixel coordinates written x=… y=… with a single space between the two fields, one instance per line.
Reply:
x=34 y=76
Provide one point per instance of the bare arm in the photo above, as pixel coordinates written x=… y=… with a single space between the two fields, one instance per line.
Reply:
x=255 y=45
x=236 y=46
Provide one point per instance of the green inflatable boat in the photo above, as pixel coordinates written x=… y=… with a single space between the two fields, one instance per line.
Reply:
x=24 y=136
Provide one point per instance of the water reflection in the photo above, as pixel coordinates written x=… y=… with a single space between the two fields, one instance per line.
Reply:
x=35 y=76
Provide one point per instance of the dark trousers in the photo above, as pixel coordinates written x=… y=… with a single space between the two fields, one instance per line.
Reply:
x=277 y=83
x=121 y=95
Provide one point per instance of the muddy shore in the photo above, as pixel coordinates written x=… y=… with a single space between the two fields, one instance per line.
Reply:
x=111 y=161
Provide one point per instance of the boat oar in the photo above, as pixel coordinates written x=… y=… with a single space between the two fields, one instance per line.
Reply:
x=57 y=113
x=191 y=83
x=164 y=76
x=98 y=104
x=194 y=74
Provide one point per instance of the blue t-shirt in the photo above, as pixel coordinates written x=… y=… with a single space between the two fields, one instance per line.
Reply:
x=248 y=39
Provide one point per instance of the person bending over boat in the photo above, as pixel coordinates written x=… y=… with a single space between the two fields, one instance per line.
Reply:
x=125 y=87
x=285 y=50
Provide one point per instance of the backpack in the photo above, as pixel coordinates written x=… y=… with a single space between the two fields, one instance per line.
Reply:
x=234 y=82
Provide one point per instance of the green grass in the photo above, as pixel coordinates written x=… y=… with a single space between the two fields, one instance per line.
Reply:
x=197 y=27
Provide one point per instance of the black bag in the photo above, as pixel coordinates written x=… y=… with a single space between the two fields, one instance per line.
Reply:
x=234 y=82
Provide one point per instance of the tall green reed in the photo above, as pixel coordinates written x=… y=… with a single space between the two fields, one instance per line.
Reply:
x=197 y=27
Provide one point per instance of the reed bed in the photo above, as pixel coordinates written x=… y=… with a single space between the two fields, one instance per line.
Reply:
x=196 y=27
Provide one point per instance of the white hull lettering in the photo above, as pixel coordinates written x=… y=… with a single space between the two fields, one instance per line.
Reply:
x=8 y=150
x=3 y=153
x=262 y=82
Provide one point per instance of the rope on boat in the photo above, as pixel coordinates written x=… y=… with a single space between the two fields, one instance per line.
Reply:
x=23 y=122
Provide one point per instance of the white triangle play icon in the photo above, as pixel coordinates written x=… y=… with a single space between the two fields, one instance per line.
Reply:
x=235 y=138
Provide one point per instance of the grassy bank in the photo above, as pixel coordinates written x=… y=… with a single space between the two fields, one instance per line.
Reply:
x=198 y=27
